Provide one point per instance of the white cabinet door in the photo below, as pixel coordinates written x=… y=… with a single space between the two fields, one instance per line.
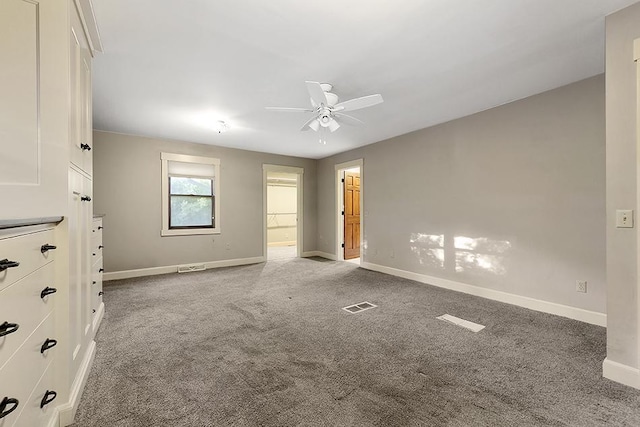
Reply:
x=80 y=309
x=80 y=132
x=33 y=112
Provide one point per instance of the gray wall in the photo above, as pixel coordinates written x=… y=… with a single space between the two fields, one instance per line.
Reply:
x=525 y=180
x=127 y=189
x=622 y=174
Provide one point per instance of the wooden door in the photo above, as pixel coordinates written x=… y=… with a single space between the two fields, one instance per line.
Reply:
x=351 y=215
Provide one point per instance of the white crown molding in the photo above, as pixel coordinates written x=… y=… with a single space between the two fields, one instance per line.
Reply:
x=90 y=25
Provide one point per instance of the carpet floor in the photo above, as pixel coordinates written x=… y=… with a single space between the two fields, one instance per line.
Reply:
x=269 y=345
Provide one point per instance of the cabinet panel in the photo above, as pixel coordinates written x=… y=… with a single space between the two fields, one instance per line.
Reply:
x=19 y=110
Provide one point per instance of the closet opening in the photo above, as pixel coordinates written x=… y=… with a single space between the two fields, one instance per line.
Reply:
x=283 y=206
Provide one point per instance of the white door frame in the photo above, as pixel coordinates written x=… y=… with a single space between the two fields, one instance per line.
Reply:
x=339 y=168
x=299 y=172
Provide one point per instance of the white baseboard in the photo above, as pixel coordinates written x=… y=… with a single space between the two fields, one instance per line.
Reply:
x=68 y=410
x=580 y=314
x=126 y=274
x=321 y=254
x=620 y=373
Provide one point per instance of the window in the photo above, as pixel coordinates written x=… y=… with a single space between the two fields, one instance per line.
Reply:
x=190 y=195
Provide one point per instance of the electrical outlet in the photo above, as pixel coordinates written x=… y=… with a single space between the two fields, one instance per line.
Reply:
x=581 y=286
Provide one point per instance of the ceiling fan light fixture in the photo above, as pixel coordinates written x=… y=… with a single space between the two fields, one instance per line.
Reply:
x=325 y=120
x=315 y=125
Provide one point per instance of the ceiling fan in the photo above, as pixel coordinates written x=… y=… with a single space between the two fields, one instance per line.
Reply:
x=327 y=111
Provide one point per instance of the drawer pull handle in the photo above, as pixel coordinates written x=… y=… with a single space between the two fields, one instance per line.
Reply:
x=85 y=198
x=100 y=293
x=5 y=263
x=94 y=282
x=100 y=227
x=47 y=247
x=47 y=291
x=94 y=310
x=6 y=402
x=86 y=147
x=100 y=247
x=48 y=344
x=8 y=328
x=101 y=270
x=93 y=254
x=49 y=397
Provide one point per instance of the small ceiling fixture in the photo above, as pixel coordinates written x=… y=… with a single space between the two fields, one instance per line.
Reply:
x=220 y=126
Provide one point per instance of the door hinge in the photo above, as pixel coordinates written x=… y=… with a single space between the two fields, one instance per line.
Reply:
x=342 y=179
x=343 y=245
x=342 y=212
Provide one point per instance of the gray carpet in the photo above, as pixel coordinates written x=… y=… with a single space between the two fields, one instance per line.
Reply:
x=281 y=252
x=269 y=345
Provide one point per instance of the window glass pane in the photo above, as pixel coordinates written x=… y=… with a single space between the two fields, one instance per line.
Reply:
x=194 y=186
x=189 y=211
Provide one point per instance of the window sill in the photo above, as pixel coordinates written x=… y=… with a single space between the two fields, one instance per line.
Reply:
x=189 y=232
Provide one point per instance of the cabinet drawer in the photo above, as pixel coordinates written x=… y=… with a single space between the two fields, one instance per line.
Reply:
x=32 y=415
x=21 y=304
x=96 y=250
x=96 y=230
x=97 y=269
x=22 y=372
x=25 y=249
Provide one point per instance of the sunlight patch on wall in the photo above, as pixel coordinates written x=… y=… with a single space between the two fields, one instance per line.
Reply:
x=460 y=253
x=428 y=248
x=480 y=253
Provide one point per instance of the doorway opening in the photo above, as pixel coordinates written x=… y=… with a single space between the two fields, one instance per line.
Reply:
x=349 y=203
x=282 y=212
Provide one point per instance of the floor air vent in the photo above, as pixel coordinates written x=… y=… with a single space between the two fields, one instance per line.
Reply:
x=190 y=267
x=461 y=322
x=357 y=308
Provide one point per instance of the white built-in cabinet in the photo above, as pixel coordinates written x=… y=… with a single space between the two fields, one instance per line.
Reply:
x=46 y=167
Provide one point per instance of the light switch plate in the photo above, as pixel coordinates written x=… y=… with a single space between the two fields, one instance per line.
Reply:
x=624 y=218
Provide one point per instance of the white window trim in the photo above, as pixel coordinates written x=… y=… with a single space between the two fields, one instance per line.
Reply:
x=166 y=157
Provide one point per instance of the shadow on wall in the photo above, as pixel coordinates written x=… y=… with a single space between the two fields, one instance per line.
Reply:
x=460 y=253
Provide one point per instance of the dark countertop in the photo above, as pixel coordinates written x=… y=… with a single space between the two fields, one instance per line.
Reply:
x=12 y=223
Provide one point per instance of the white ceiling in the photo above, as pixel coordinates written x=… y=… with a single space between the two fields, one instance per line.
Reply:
x=169 y=69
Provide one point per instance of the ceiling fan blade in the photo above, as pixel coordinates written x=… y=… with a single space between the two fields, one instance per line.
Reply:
x=289 y=110
x=316 y=93
x=333 y=125
x=309 y=124
x=347 y=119
x=357 y=103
